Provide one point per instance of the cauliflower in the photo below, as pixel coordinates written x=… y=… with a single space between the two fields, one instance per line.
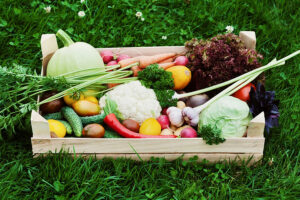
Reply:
x=134 y=101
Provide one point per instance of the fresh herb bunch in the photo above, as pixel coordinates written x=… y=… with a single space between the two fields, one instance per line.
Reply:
x=264 y=101
x=210 y=135
x=18 y=95
x=156 y=78
x=219 y=59
x=161 y=82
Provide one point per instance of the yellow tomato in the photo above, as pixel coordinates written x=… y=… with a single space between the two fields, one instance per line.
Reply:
x=86 y=108
x=92 y=99
x=70 y=99
x=57 y=127
x=181 y=75
x=150 y=127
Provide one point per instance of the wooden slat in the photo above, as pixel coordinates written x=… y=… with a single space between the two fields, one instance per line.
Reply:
x=146 y=51
x=40 y=126
x=256 y=127
x=212 y=157
x=126 y=145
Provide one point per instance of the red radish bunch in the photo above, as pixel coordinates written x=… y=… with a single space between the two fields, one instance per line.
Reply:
x=113 y=62
x=107 y=56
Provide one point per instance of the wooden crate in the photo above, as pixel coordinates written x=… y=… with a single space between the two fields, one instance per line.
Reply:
x=237 y=149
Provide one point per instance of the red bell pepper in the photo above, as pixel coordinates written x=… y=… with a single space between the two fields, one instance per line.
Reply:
x=112 y=121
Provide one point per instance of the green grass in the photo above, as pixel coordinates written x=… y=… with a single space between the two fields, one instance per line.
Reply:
x=113 y=23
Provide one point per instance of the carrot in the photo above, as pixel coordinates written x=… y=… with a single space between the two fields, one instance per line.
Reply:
x=148 y=60
x=167 y=60
x=111 y=85
x=135 y=70
x=166 y=65
x=129 y=61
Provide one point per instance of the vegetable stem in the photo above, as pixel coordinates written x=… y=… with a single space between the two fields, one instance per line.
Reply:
x=64 y=37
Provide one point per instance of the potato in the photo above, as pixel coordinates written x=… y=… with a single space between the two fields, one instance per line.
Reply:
x=131 y=125
x=86 y=108
x=93 y=131
x=52 y=106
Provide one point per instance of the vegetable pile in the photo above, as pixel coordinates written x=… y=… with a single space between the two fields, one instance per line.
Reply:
x=94 y=94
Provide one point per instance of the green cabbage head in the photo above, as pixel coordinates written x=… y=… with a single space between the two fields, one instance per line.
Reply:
x=228 y=114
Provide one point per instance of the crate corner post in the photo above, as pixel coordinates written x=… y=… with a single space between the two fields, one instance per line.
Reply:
x=40 y=126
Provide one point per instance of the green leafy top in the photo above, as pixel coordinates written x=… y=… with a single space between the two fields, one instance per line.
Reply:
x=210 y=135
x=156 y=78
x=161 y=82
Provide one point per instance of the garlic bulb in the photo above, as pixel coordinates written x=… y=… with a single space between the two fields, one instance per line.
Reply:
x=175 y=116
x=191 y=116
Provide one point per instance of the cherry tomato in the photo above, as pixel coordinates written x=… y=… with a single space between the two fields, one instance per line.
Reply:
x=244 y=93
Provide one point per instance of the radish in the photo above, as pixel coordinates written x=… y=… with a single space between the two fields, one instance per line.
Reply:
x=113 y=62
x=181 y=60
x=122 y=57
x=163 y=121
x=188 y=133
x=164 y=111
x=107 y=56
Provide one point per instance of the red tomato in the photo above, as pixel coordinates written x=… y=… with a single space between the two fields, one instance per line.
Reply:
x=243 y=93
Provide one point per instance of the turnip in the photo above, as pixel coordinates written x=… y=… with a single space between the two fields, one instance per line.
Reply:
x=113 y=62
x=122 y=57
x=188 y=133
x=107 y=56
x=181 y=60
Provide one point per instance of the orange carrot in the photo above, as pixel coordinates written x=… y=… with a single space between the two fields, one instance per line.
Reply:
x=166 y=65
x=167 y=60
x=148 y=60
x=111 y=85
x=129 y=61
x=135 y=70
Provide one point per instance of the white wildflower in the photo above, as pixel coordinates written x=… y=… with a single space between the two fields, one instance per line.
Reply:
x=47 y=9
x=142 y=19
x=81 y=14
x=138 y=14
x=229 y=29
x=164 y=37
x=82 y=1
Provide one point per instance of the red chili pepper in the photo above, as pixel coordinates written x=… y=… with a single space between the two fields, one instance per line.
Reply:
x=112 y=121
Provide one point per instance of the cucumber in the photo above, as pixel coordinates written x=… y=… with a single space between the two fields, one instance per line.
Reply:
x=93 y=119
x=55 y=116
x=74 y=120
x=68 y=126
x=111 y=133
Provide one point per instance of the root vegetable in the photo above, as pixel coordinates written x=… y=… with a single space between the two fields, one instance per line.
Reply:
x=188 y=133
x=148 y=60
x=166 y=60
x=135 y=70
x=113 y=62
x=181 y=60
x=180 y=105
x=166 y=132
x=175 y=116
x=107 y=56
x=131 y=125
x=197 y=100
x=178 y=131
x=166 y=65
x=163 y=121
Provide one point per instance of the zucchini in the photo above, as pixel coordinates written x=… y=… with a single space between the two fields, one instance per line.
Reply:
x=68 y=126
x=74 y=120
x=93 y=119
x=55 y=116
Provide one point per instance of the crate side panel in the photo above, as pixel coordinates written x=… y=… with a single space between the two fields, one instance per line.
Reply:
x=125 y=145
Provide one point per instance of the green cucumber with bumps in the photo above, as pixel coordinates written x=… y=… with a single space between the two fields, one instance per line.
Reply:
x=55 y=116
x=68 y=126
x=74 y=120
x=98 y=119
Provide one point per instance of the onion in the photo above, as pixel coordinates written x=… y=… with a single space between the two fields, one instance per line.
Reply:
x=188 y=133
x=122 y=57
x=181 y=60
x=113 y=62
x=163 y=121
x=107 y=56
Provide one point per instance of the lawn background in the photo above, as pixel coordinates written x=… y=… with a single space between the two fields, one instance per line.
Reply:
x=113 y=24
